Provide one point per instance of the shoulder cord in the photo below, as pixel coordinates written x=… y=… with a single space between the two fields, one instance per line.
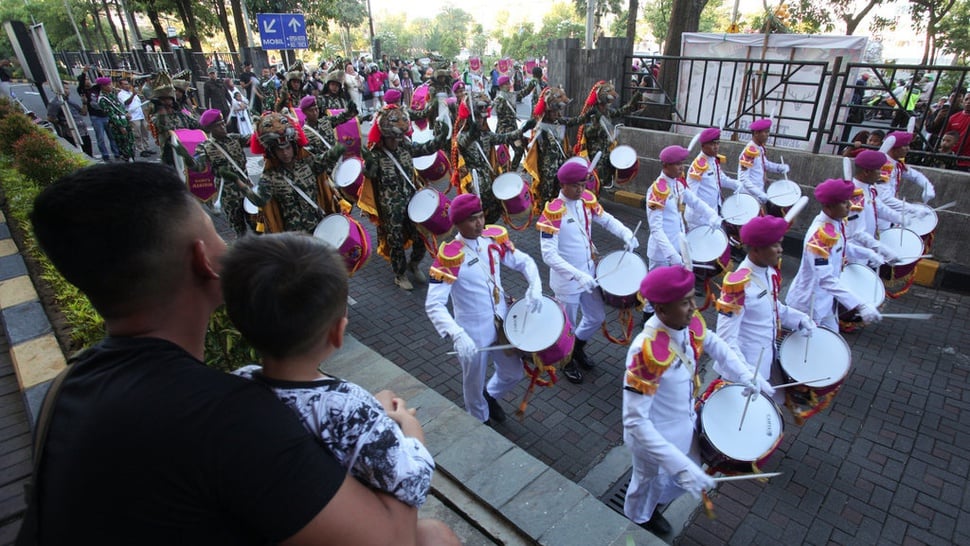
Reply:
x=400 y=168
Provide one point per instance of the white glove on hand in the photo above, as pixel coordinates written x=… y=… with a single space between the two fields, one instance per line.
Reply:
x=928 y=194
x=764 y=386
x=750 y=387
x=784 y=169
x=675 y=259
x=586 y=282
x=868 y=314
x=632 y=244
x=694 y=480
x=888 y=254
x=465 y=347
x=533 y=299
x=716 y=223
x=807 y=324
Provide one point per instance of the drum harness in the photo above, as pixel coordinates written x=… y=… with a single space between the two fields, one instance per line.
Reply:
x=232 y=162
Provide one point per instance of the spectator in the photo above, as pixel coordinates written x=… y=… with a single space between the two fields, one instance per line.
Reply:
x=55 y=114
x=6 y=79
x=858 y=144
x=139 y=125
x=960 y=124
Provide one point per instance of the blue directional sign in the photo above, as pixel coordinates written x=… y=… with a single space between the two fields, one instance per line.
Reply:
x=282 y=30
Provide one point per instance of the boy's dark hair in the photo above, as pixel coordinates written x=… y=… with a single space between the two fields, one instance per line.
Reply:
x=954 y=134
x=878 y=133
x=114 y=232
x=284 y=291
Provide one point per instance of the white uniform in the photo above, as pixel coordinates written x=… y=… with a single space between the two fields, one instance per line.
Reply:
x=749 y=314
x=904 y=173
x=753 y=169
x=817 y=280
x=567 y=248
x=706 y=178
x=862 y=225
x=660 y=428
x=472 y=295
x=666 y=198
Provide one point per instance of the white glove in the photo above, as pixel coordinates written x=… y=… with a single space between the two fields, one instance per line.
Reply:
x=716 y=223
x=888 y=254
x=586 y=282
x=928 y=193
x=632 y=244
x=694 y=480
x=750 y=387
x=533 y=298
x=764 y=386
x=464 y=346
x=675 y=259
x=868 y=314
x=807 y=324
x=784 y=169
x=923 y=212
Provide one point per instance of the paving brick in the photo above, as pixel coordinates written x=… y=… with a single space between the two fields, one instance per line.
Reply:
x=12 y=266
x=25 y=321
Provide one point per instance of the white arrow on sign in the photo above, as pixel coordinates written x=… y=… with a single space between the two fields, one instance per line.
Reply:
x=294 y=24
x=269 y=27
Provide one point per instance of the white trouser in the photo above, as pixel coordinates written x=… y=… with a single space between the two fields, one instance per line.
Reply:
x=591 y=305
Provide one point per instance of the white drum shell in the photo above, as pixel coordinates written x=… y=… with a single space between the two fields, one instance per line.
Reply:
x=721 y=414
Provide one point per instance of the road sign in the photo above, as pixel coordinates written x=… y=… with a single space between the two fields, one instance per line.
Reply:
x=282 y=30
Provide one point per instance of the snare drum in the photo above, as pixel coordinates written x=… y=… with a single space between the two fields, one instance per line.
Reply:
x=429 y=209
x=513 y=192
x=624 y=159
x=201 y=184
x=348 y=237
x=709 y=247
x=349 y=177
x=502 y=156
x=923 y=224
x=824 y=356
x=865 y=284
x=782 y=194
x=347 y=133
x=619 y=275
x=723 y=445
x=907 y=245
x=737 y=210
x=433 y=168
x=546 y=335
x=251 y=211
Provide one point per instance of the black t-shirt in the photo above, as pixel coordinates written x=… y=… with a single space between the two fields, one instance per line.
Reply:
x=148 y=446
x=246 y=77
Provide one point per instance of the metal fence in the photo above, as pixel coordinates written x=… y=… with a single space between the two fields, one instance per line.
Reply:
x=817 y=106
x=135 y=63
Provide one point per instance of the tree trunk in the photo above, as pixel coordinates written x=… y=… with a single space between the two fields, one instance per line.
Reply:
x=160 y=33
x=631 y=23
x=96 y=15
x=111 y=24
x=224 y=23
x=125 y=31
x=685 y=16
x=184 y=8
x=237 y=17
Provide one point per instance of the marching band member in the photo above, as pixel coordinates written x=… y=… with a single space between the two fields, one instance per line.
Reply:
x=225 y=152
x=334 y=95
x=596 y=133
x=750 y=316
x=705 y=177
x=291 y=93
x=388 y=187
x=568 y=250
x=753 y=164
x=319 y=129
x=816 y=286
x=168 y=117
x=659 y=389
x=393 y=96
x=671 y=208
x=476 y=142
x=506 y=120
x=467 y=270
x=550 y=147
x=896 y=146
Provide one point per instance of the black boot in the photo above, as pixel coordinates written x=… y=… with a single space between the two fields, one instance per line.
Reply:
x=495 y=411
x=572 y=373
x=579 y=355
x=657 y=524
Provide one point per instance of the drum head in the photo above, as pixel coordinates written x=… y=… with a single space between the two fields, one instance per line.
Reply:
x=347 y=172
x=333 y=229
x=507 y=186
x=827 y=355
x=249 y=207
x=425 y=162
x=533 y=332
x=922 y=225
x=784 y=193
x=864 y=283
x=721 y=414
x=706 y=244
x=739 y=209
x=905 y=243
x=620 y=273
x=423 y=204
x=623 y=157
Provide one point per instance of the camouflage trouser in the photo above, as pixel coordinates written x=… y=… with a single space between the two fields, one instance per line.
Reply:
x=232 y=207
x=548 y=183
x=397 y=229
x=604 y=168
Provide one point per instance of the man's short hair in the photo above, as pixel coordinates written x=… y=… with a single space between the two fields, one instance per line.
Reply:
x=284 y=291
x=953 y=134
x=114 y=232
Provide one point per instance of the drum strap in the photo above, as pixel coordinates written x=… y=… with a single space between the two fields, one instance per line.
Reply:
x=875 y=211
x=303 y=194
x=400 y=169
x=604 y=121
x=318 y=135
x=488 y=162
x=584 y=226
x=232 y=162
x=489 y=271
x=774 y=297
x=674 y=348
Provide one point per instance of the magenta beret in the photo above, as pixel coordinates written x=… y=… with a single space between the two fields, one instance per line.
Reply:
x=760 y=125
x=673 y=154
x=464 y=206
x=308 y=101
x=209 y=117
x=103 y=80
x=573 y=172
x=833 y=191
x=872 y=160
x=710 y=135
x=667 y=284
x=902 y=138
x=456 y=86
x=502 y=80
x=763 y=231
x=392 y=96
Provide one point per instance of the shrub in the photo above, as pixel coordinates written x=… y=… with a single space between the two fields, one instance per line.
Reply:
x=7 y=108
x=12 y=128
x=38 y=157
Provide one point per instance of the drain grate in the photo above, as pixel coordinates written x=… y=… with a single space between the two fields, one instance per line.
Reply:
x=617 y=493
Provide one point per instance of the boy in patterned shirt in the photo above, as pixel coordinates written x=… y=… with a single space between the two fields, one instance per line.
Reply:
x=302 y=279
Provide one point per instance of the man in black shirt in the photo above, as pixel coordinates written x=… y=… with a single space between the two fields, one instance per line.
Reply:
x=248 y=81
x=147 y=445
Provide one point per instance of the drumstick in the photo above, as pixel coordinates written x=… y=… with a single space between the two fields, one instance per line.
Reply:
x=747 y=477
x=915 y=316
x=748 y=401
x=796 y=383
x=489 y=348
x=911 y=258
x=951 y=204
x=782 y=161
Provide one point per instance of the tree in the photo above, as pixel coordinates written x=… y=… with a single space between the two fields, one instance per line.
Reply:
x=954 y=33
x=657 y=16
x=685 y=16
x=927 y=16
x=812 y=16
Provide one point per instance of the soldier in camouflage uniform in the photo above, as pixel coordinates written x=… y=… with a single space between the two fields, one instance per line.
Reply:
x=319 y=129
x=288 y=162
x=214 y=151
x=291 y=93
x=477 y=142
x=389 y=168
x=168 y=117
x=119 y=124
x=550 y=145
x=334 y=96
x=507 y=122
x=597 y=133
